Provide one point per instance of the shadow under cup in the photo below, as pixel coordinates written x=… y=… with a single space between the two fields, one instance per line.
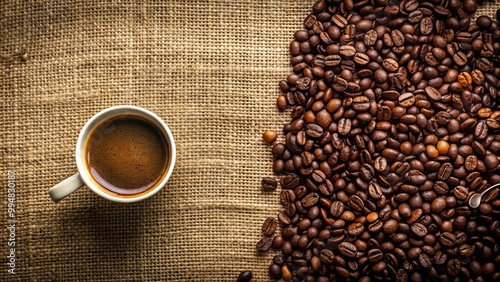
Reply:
x=125 y=153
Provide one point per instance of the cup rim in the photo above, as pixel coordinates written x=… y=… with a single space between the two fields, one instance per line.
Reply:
x=97 y=119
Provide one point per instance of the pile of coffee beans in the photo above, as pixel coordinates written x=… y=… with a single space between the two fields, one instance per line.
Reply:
x=395 y=123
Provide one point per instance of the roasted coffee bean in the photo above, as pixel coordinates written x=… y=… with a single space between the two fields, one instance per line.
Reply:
x=447 y=239
x=361 y=103
x=415 y=16
x=484 y=65
x=379 y=267
x=465 y=79
x=326 y=256
x=491 y=161
x=289 y=181
x=424 y=261
x=404 y=210
x=287 y=197
x=375 y=255
x=318 y=176
x=355 y=229
x=432 y=93
x=426 y=26
x=390 y=154
x=264 y=244
x=347 y=51
x=471 y=162
x=348 y=216
x=470 y=6
x=440 y=258
x=419 y=229
x=380 y=164
x=438 y=204
x=367 y=172
x=361 y=59
x=269 y=184
x=481 y=130
x=390 y=65
x=303 y=83
x=416 y=177
x=348 y=250
x=245 y=276
x=390 y=226
x=332 y=60
x=278 y=242
x=269 y=226
x=445 y=171
x=344 y=126
x=275 y=271
x=310 y=200
x=337 y=209
x=372 y=217
x=370 y=38
x=286 y=274
x=374 y=191
x=397 y=37
x=460 y=192
x=381 y=76
x=406 y=100
x=339 y=21
x=441 y=188
x=460 y=58
x=376 y=226
x=453 y=267
x=283 y=219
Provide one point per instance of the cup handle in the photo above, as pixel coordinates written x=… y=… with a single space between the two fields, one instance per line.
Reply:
x=66 y=187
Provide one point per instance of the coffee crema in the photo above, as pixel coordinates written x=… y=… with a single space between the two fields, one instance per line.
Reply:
x=127 y=155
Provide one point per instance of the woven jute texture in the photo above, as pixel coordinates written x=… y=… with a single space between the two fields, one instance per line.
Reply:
x=210 y=69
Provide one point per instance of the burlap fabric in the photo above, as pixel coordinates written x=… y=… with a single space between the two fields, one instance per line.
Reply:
x=210 y=69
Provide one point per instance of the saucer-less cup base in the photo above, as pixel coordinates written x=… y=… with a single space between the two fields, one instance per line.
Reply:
x=83 y=176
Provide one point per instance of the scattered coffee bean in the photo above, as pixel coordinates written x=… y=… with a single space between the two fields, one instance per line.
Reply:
x=264 y=244
x=245 y=276
x=269 y=136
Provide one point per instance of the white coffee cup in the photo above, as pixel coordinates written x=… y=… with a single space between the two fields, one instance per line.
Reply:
x=85 y=177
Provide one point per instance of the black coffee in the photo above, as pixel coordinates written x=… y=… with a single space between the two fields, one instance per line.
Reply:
x=127 y=155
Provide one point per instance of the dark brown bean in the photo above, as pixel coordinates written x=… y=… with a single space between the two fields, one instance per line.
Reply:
x=432 y=93
x=390 y=65
x=269 y=184
x=326 y=256
x=390 y=226
x=419 y=229
x=347 y=249
x=264 y=244
x=356 y=203
x=269 y=226
x=339 y=21
x=310 y=199
x=426 y=26
x=447 y=239
x=245 y=276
